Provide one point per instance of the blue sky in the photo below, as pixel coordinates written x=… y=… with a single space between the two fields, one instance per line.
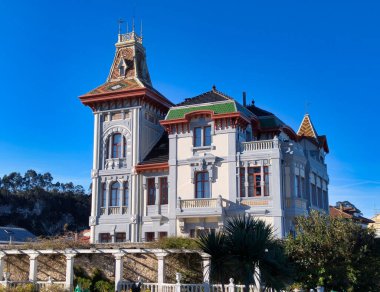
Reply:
x=283 y=53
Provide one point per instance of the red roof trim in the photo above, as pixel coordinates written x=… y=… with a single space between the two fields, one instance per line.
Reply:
x=151 y=167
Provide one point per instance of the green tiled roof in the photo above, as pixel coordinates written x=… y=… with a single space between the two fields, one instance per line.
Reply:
x=220 y=108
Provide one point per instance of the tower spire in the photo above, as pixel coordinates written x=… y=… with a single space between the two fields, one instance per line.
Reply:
x=120 y=22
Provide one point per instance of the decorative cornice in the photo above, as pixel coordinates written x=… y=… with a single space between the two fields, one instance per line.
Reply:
x=152 y=167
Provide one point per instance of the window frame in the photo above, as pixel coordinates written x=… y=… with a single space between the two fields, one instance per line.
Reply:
x=201 y=136
x=105 y=237
x=103 y=199
x=204 y=182
x=115 y=195
x=242 y=182
x=151 y=185
x=116 y=148
x=120 y=235
x=164 y=190
x=125 y=202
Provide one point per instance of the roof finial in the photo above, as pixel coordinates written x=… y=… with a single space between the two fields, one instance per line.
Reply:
x=214 y=88
x=133 y=24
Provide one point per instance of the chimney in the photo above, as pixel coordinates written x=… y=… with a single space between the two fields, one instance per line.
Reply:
x=244 y=98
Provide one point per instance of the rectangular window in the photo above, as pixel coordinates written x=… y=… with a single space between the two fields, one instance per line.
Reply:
x=104 y=196
x=320 y=200
x=303 y=189
x=126 y=194
x=192 y=233
x=163 y=190
x=207 y=136
x=151 y=191
x=314 y=194
x=162 y=235
x=149 y=236
x=197 y=137
x=105 y=237
x=254 y=181
x=242 y=182
x=202 y=136
x=297 y=186
x=120 y=237
x=202 y=185
x=326 y=200
x=116 y=146
x=266 y=181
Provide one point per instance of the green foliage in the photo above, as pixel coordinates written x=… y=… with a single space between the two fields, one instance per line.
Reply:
x=245 y=244
x=29 y=200
x=334 y=252
x=84 y=283
x=52 y=288
x=20 y=288
x=103 y=286
x=176 y=243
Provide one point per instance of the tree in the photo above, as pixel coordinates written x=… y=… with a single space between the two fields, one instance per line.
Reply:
x=245 y=246
x=334 y=252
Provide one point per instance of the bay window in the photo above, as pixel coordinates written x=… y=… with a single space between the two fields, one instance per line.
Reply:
x=257 y=178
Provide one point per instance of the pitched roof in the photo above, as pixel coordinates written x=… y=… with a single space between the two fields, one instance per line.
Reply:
x=213 y=100
x=306 y=128
x=207 y=97
x=160 y=151
x=258 y=111
x=346 y=213
x=117 y=86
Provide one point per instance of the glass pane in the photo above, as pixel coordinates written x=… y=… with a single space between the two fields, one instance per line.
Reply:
x=207 y=136
x=197 y=137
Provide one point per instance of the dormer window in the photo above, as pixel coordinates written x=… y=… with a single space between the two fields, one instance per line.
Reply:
x=122 y=68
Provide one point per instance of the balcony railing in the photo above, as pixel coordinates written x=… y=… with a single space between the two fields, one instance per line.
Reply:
x=124 y=209
x=199 y=203
x=259 y=145
x=102 y=211
x=257 y=201
x=113 y=210
x=115 y=163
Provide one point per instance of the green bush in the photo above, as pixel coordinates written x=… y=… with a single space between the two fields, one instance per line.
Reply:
x=83 y=283
x=176 y=243
x=103 y=286
x=52 y=288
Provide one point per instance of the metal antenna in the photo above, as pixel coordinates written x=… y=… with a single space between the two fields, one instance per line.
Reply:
x=133 y=24
x=141 y=29
x=120 y=21
x=127 y=28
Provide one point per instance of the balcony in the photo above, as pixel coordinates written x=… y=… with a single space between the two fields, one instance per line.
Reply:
x=115 y=163
x=113 y=210
x=257 y=202
x=296 y=206
x=201 y=207
x=259 y=145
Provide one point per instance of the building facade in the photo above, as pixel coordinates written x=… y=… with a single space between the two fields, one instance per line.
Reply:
x=161 y=169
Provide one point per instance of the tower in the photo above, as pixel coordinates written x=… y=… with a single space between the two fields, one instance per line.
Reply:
x=126 y=110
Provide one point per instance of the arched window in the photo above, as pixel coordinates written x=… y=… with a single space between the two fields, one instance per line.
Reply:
x=126 y=194
x=116 y=146
x=114 y=202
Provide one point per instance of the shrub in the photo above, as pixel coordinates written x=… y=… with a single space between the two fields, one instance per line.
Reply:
x=83 y=283
x=52 y=288
x=103 y=286
x=176 y=243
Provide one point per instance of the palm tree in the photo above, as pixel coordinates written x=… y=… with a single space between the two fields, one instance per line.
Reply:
x=245 y=246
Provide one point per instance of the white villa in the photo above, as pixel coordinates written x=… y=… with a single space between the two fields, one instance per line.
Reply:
x=161 y=169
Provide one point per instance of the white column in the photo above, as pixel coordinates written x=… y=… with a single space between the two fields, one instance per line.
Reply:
x=160 y=269
x=69 y=271
x=206 y=270
x=118 y=270
x=33 y=266
x=95 y=168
